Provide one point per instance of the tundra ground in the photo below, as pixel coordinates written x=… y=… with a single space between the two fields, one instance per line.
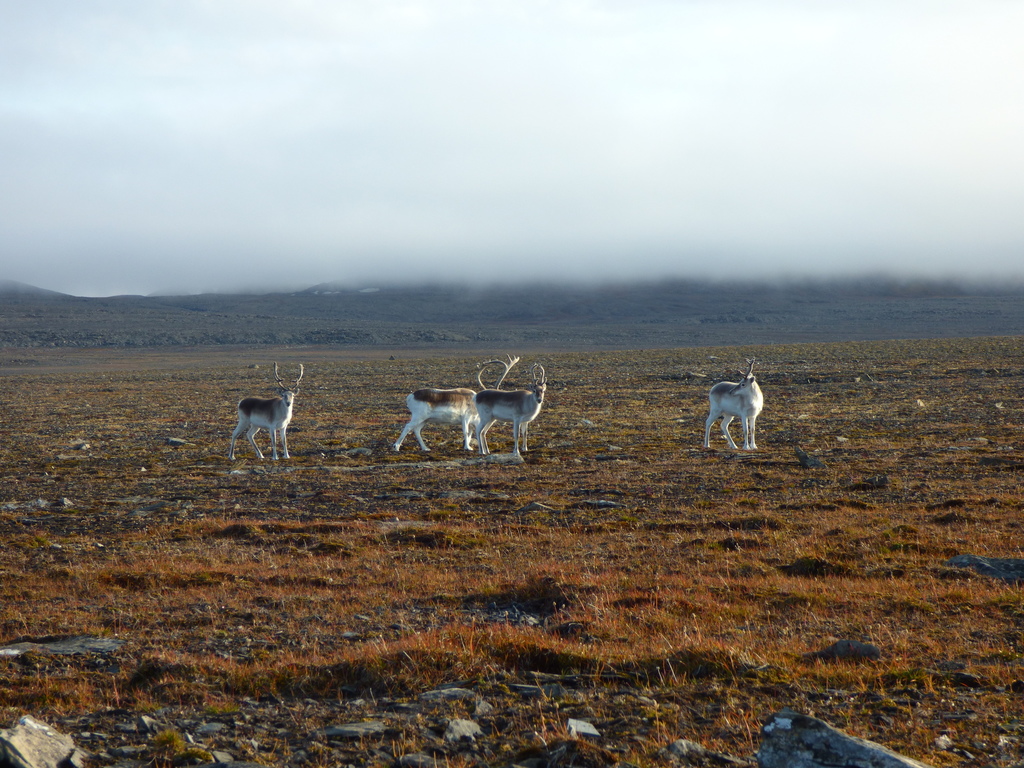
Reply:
x=659 y=590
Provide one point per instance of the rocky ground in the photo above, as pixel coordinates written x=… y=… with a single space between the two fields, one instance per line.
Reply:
x=621 y=590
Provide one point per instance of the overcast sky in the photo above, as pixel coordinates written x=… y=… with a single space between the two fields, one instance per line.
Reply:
x=193 y=145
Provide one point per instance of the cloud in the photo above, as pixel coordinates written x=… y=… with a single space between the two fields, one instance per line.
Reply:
x=205 y=145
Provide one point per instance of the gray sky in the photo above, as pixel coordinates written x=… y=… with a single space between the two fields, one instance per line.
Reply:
x=192 y=145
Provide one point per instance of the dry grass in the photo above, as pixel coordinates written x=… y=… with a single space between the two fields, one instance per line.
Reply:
x=674 y=591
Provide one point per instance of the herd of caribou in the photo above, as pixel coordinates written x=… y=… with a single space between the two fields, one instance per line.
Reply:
x=479 y=410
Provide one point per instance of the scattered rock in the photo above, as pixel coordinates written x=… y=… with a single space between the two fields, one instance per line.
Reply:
x=689 y=753
x=792 y=740
x=847 y=649
x=209 y=729
x=419 y=760
x=570 y=753
x=354 y=730
x=946 y=744
x=408 y=495
x=177 y=442
x=601 y=504
x=448 y=694
x=612 y=456
x=66 y=646
x=32 y=744
x=535 y=506
x=581 y=729
x=808 y=462
x=499 y=458
x=146 y=724
x=483 y=709
x=135 y=751
x=513 y=613
x=474 y=496
x=967 y=680
x=1000 y=462
x=459 y=731
x=1011 y=570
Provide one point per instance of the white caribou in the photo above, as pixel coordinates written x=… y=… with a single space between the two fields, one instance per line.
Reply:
x=270 y=413
x=520 y=407
x=729 y=400
x=447 y=406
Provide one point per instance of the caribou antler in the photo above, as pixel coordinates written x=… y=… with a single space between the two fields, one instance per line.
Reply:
x=508 y=367
x=295 y=386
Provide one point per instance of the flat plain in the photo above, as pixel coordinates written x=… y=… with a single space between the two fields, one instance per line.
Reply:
x=622 y=576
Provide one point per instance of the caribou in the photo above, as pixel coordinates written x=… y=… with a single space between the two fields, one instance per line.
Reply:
x=742 y=400
x=519 y=406
x=448 y=406
x=269 y=413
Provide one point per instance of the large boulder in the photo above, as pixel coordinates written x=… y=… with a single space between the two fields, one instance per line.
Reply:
x=792 y=740
x=32 y=744
x=1007 y=569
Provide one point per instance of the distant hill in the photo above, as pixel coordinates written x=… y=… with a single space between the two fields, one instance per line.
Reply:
x=665 y=314
x=14 y=288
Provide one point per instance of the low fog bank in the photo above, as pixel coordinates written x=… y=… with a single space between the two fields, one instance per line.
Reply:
x=875 y=285
x=868 y=285
x=664 y=314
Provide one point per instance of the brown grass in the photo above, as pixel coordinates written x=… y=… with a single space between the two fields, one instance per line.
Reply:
x=674 y=592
